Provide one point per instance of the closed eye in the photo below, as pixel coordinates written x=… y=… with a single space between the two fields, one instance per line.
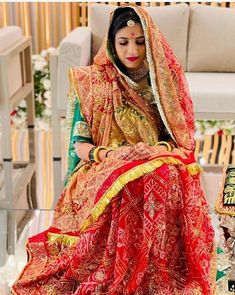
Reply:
x=140 y=42
x=123 y=43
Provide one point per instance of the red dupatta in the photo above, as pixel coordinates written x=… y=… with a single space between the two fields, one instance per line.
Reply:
x=94 y=245
x=167 y=79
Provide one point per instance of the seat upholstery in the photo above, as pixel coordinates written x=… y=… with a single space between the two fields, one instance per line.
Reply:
x=213 y=94
x=75 y=49
x=211 y=41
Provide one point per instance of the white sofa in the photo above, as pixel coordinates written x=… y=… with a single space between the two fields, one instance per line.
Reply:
x=203 y=39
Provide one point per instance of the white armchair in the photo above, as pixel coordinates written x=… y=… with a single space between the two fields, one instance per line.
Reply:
x=210 y=72
x=75 y=49
x=17 y=185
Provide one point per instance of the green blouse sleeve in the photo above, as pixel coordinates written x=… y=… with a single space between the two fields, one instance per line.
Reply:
x=79 y=132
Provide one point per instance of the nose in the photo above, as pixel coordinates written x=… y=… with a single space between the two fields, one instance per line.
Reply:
x=132 y=49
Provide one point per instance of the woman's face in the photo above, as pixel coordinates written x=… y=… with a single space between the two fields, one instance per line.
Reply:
x=130 y=46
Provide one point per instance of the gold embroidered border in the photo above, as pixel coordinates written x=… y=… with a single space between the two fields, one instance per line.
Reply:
x=81 y=129
x=131 y=175
x=71 y=101
x=152 y=74
x=64 y=239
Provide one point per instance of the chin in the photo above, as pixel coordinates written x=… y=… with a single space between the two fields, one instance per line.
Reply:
x=133 y=66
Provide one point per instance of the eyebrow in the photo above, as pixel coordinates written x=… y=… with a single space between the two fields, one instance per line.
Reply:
x=140 y=37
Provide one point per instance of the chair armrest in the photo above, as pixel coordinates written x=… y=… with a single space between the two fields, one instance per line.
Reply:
x=74 y=50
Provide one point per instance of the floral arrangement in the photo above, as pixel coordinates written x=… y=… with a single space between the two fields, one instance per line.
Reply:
x=211 y=127
x=42 y=91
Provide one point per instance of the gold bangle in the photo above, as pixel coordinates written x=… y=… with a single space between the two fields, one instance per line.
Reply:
x=99 y=148
x=169 y=148
x=172 y=145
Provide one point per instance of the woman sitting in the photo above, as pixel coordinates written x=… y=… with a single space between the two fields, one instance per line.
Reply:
x=132 y=218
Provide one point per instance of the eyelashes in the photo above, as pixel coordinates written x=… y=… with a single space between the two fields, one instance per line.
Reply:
x=137 y=43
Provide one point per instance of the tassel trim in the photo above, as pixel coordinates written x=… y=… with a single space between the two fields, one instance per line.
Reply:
x=116 y=187
x=132 y=175
x=64 y=239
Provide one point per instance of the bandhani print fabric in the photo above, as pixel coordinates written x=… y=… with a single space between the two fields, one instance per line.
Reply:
x=153 y=237
x=127 y=227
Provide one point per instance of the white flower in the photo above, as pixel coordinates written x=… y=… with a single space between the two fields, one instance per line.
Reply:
x=43 y=53
x=39 y=97
x=212 y=130
x=197 y=125
x=19 y=122
x=48 y=103
x=22 y=113
x=198 y=135
x=39 y=65
x=41 y=124
x=47 y=94
x=51 y=50
x=23 y=104
x=47 y=112
x=47 y=84
x=228 y=125
x=36 y=57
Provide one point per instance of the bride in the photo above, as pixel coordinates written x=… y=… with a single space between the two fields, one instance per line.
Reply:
x=132 y=218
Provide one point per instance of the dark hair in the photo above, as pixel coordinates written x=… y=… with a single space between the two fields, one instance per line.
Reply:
x=120 y=18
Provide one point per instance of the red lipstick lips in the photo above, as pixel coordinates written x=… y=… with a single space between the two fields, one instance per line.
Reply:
x=134 y=58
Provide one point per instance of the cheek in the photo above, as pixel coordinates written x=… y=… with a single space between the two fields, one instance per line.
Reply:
x=120 y=51
x=143 y=52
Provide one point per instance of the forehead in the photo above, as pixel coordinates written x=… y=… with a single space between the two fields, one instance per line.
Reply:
x=128 y=32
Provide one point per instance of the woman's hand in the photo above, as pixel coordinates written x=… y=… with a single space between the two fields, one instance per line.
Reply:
x=145 y=151
x=122 y=153
x=183 y=153
x=139 y=151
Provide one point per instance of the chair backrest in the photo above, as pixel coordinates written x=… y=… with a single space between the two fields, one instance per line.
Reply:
x=9 y=36
x=172 y=20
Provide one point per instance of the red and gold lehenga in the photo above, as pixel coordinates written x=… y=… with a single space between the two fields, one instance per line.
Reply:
x=127 y=227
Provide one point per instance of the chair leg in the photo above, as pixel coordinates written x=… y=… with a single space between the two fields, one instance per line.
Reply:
x=56 y=131
x=3 y=237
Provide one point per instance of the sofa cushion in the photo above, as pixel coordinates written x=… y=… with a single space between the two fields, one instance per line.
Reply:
x=211 y=39
x=172 y=21
x=74 y=50
x=213 y=95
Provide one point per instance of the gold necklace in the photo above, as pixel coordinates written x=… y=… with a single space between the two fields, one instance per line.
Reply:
x=139 y=74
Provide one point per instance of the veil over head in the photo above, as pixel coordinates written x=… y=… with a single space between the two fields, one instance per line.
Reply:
x=127 y=227
x=167 y=79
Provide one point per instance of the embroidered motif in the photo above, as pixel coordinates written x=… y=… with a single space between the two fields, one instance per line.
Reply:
x=226 y=198
x=82 y=129
x=127 y=227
